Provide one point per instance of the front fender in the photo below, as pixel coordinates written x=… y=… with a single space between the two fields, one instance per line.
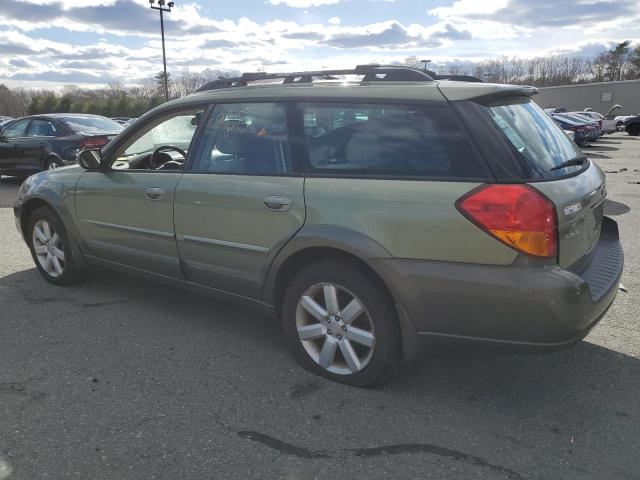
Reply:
x=56 y=189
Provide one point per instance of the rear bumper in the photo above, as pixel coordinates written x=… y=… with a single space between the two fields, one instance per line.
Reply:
x=526 y=307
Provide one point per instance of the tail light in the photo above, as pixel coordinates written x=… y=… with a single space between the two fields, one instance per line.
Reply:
x=93 y=142
x=517 y=215
x=580 y=129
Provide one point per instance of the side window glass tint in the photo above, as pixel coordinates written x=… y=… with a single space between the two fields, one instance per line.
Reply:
x=16 y=130
x=245 y=138
x=42 y=128
x=391 y=140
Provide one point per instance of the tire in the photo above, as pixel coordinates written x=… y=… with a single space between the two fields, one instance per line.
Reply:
x=633 y=129
x=51 y=250
x=52 y=164
x=342 y=329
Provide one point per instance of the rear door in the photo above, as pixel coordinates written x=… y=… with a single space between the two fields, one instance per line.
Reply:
x=240 y=199
x=40 y=133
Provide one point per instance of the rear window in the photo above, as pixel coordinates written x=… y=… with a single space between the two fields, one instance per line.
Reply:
x=389 y=140
x=92 y=125
x=540 y=143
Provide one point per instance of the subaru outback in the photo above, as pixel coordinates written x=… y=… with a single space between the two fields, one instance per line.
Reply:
x=377 y=212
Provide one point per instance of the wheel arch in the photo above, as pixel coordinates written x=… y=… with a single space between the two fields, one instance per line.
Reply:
x=320 y=242
x=47 y=158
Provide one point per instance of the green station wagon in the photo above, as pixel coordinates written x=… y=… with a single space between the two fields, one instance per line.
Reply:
x=377 y=211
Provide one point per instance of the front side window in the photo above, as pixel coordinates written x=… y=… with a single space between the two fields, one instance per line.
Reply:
x=169 y=137
x=16 y=130
x=388 y=140
x=42 y=128
x=245 y=138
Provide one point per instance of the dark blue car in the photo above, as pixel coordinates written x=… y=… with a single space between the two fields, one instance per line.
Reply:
x=40 y=142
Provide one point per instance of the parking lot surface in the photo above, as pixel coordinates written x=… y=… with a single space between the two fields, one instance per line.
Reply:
x=119 y=378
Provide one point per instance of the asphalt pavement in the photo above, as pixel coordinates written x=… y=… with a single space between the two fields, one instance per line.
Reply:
x=118 y=378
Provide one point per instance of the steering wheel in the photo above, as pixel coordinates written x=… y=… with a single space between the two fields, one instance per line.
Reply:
x=152 y=159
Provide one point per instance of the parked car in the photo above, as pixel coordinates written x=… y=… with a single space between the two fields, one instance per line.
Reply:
x=580 y=130
x=594 y=132
x=374 y=219
x=5 y=120
x=609 y=123
x=632 y=125
x=41 y=142
x=122 y=120
x=594 y=117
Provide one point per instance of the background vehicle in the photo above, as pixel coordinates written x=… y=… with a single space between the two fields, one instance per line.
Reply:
x=41 y=142
x=122 y=120
x=375 y=218
x=580 y=129
x=594 y=132
x=632 y=125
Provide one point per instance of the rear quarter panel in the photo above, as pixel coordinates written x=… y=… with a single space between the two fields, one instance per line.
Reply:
x=410 y=219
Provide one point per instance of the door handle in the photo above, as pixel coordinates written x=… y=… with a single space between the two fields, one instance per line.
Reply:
x=276 y=203
x=154 y=193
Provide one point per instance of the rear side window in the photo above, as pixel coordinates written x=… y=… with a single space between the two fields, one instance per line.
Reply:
x=42 y=128
x=245 y=138
x=539 y=142
x=388 y=140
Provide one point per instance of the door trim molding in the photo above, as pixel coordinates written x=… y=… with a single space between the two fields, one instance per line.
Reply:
x=223 y=243
x=158 y=233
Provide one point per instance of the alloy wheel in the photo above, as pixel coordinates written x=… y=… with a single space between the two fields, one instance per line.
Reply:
x=335 y=329
x=48 y=248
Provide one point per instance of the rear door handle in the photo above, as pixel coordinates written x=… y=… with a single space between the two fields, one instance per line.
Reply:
x=154 y=193
x=277 y=203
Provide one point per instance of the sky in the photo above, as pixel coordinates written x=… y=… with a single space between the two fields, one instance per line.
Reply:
x=51 y=43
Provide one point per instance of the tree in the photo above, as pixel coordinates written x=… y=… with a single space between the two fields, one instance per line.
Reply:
x=160 y=82
x=617 y=60
x=634 y=61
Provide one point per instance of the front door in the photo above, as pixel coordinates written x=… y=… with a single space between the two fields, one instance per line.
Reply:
x=239 y=200
x=126 y=212
x=10 y=150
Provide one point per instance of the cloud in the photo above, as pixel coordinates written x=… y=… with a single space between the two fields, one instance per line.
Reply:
x=71 y=76
x=540 y=13
x=304 y=36
x=304 y=3
x=387 y=35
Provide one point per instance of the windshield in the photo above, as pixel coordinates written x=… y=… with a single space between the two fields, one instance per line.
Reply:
x=92 y=125
x=541 y=143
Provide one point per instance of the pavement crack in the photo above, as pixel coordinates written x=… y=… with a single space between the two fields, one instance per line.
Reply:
x=386 y=450
x=283 y=447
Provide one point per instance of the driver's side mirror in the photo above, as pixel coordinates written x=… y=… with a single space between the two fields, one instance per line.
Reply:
x=90 y=159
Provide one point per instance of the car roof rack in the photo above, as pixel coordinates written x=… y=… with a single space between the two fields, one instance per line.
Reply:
x=371 y=73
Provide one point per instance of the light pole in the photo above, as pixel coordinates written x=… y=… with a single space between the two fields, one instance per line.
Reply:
x=424 y=62
x=161 y=8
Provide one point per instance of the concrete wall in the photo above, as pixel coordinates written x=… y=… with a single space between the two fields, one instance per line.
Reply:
x=599 y=96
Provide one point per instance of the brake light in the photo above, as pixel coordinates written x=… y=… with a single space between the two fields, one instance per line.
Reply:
x=517 y=215
x=93 y=142
x=580 y=129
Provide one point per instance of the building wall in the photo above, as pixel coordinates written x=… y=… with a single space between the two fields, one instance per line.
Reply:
x=599 y=96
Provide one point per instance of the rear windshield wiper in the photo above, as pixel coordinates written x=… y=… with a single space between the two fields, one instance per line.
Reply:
x=570 y=163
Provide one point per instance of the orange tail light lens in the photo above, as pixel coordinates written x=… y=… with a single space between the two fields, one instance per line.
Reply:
x=517 y=215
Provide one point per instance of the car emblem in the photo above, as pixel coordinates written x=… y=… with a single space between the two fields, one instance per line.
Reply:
x=571 y=209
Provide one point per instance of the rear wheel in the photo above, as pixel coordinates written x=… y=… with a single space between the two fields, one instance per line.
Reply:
x=341 y=323
x=51 y=248
x=53 y=163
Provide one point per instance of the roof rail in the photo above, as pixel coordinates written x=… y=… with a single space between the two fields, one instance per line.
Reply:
x=371 y=73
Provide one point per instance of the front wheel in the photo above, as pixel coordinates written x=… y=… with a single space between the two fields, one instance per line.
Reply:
x=341 y=323
x=51 y=248
x=633 y=130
